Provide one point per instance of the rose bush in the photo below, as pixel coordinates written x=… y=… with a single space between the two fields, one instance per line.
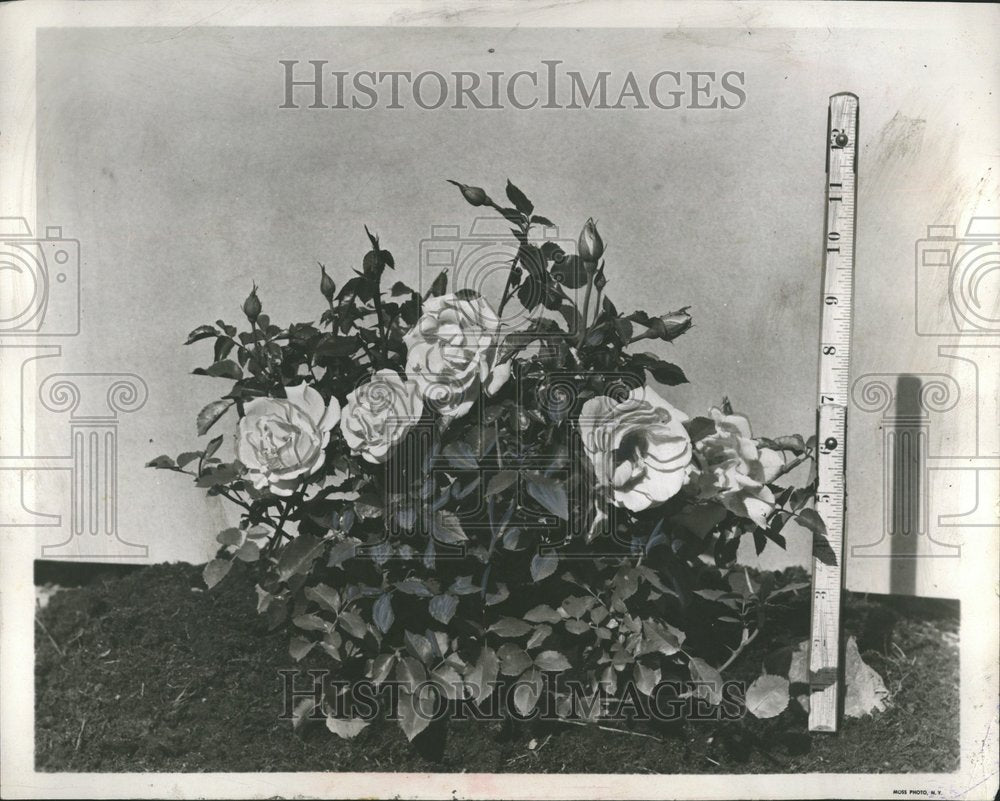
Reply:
x=498 y=502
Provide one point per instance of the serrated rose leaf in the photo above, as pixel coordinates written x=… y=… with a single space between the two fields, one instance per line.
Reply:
x=543 y=566
x=513 y=660
x=382 y=613
x=215 y=571
x=299 y=647
x=208 y=416
x=551 y=661
x=346 y=728
x=510 y=627
x=767 y=697
x=527 y=690
x=542 y=614
x=442 y=607
x=297 y=557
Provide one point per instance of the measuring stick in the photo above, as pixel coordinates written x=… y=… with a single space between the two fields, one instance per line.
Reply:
x=834 y=372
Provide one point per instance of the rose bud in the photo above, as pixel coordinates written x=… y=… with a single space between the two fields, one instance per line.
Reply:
x=670 y=326
x=590 y=246
x=251 y=306
x=326 y=285
x=600 y=280
x=474 y=195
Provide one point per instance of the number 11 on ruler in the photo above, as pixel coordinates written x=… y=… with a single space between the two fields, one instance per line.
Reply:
x=834 y=375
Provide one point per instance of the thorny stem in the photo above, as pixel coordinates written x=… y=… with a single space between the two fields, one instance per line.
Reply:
x=747 y=639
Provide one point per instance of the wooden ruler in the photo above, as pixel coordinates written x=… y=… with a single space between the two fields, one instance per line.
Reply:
x=834 y=375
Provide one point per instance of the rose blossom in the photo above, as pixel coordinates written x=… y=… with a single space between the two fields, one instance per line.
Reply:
x=638 y=446
x=734 y=469
x=379 y=413
x=282 y=441
x=452 y=352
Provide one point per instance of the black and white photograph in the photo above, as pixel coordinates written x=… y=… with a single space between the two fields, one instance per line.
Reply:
x=504 y=400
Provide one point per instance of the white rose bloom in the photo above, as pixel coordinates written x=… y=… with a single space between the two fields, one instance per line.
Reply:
x=452 y=353
x=639 y=447
x=732 y=468
x=282 y=441
x=378 y=414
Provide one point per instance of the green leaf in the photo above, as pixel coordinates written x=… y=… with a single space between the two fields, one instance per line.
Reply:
x=447 y=529
x=510 y=627
x=227 y=368
x=646 y=678
x=461 y=455
x=483 y=676
x=513 y=660
x=569 y=270
x=664 y=372
x=551 y=494
x=412 y=720
x=439 y=285
x=382 y=613
x=767 y=697
x=822 y=549
x=419 y=646
x=574 y=626
x=327 y=597
x=542 y=614
x=518 y=198
x=162 y=462
x=527 y=691
x=708 y=679
x=414 y=587
x=543 y=566
x=310 y=623
x=661 y=637
x=447 y=678
x=538 y=219
x=551 y=661
x=346 y=728
x=230 y=536
x=215 y=571
x=410 y=673
x=352 y=623
x=442 y=607
x=297 y=557
x=501 y=481
x=208 y=416
x=212 y=447
x=202 y=332
x=249 y=552
x=220 y=474
x=298 y=647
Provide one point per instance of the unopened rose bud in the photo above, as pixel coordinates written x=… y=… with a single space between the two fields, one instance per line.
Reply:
x=670 y=326
x=600 y=280
x=326 y=285
x=251 y=306
x=474 y=195
x=590 y=246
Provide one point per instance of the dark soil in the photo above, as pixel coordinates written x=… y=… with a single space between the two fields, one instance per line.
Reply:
x=148 y=672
